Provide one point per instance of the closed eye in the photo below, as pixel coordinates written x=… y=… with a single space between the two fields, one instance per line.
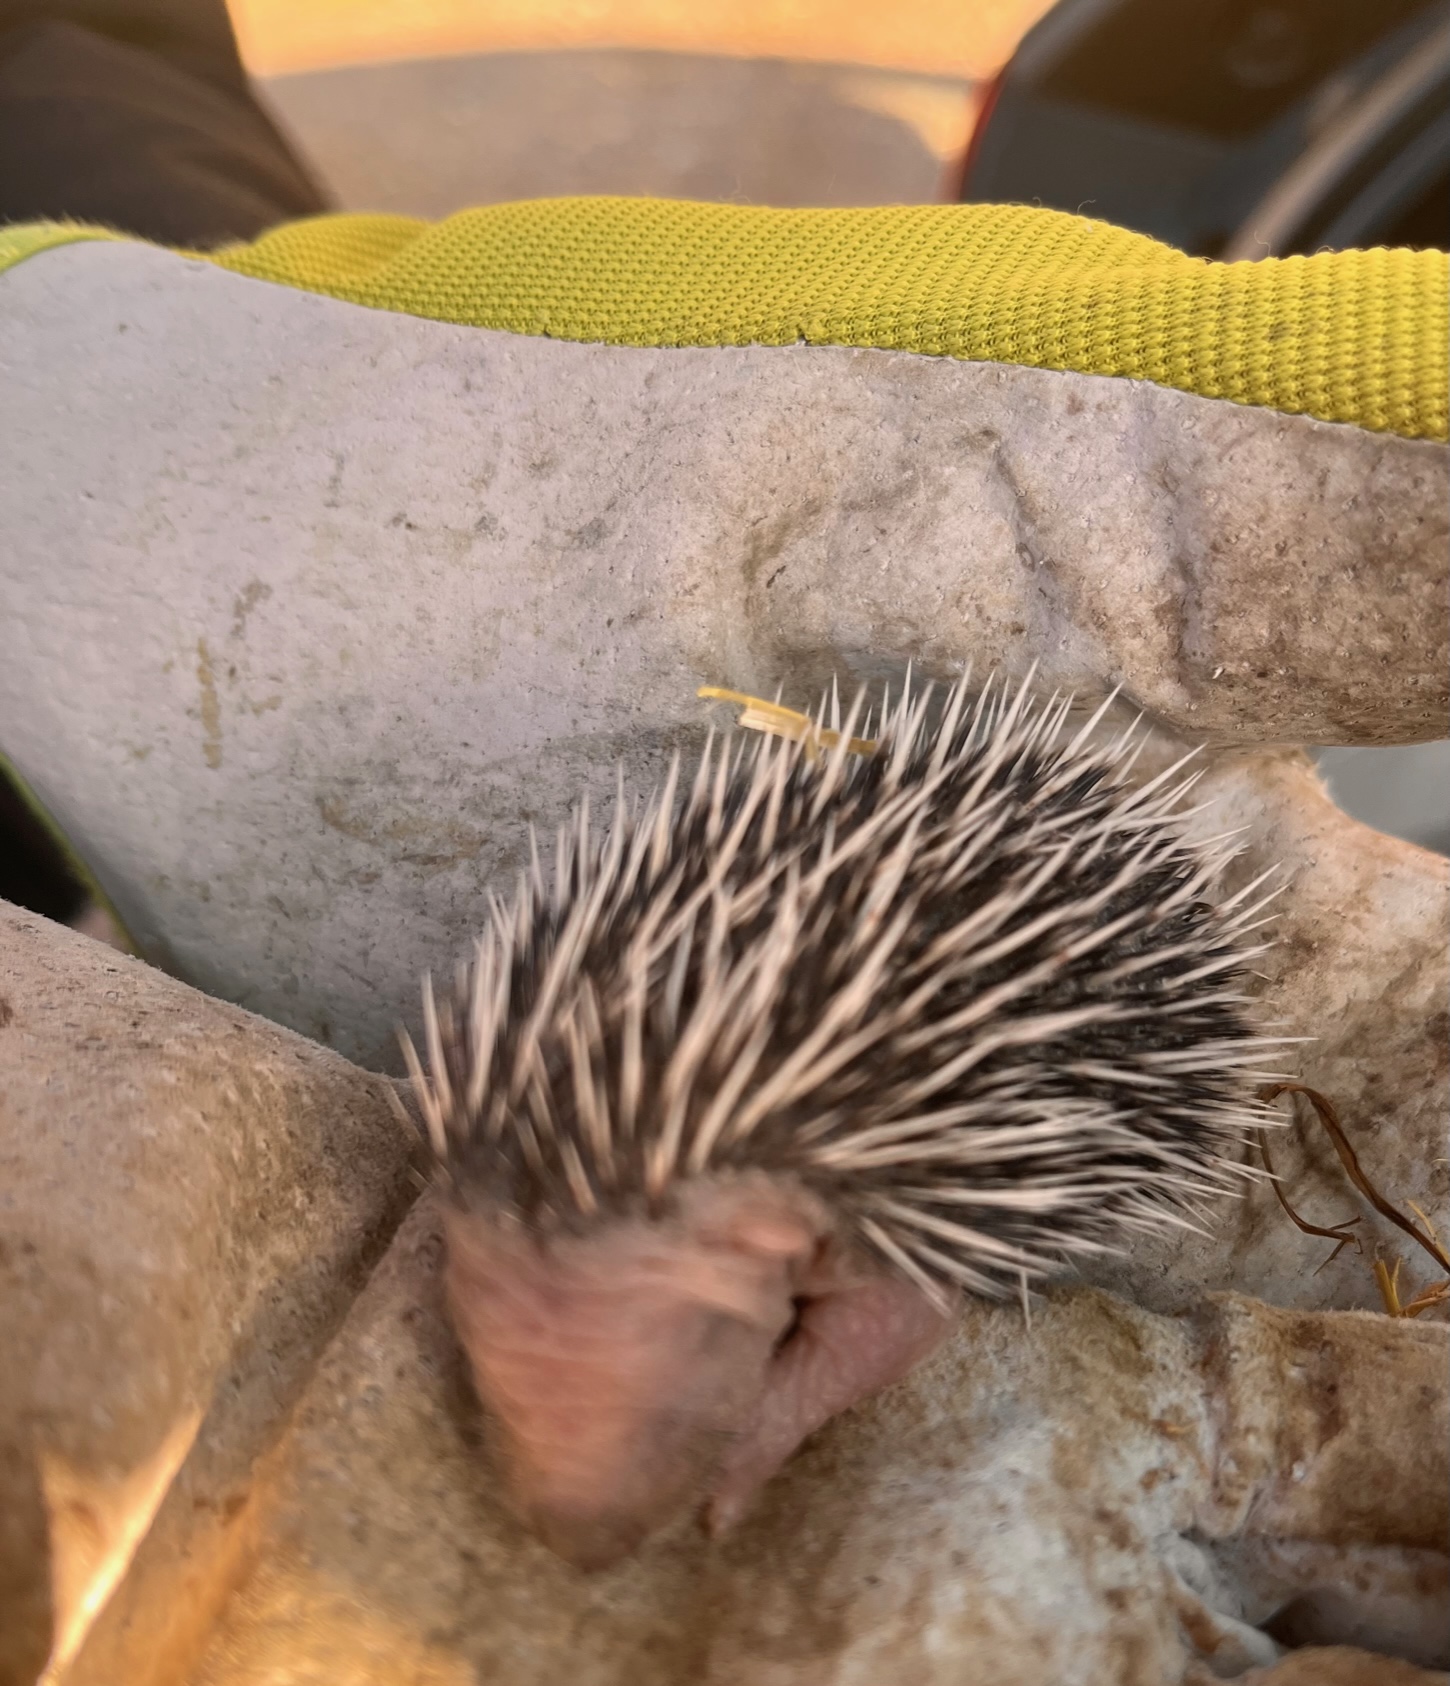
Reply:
x=788 y=1334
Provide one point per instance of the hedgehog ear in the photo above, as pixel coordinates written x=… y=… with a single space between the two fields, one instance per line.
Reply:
x=772 y=1234
x=755 y=1218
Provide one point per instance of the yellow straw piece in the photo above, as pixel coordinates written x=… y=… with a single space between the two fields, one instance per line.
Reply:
x=782 y=722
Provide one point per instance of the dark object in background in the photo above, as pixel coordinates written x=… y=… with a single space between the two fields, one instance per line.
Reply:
x=33 y=873
x=140 y=116
x=1229 y=128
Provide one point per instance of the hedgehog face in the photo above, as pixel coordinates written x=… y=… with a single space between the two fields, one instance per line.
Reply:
x=620 y=1365
x=642 y=1367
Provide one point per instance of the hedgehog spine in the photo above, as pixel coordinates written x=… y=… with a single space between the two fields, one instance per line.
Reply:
x=972 y=985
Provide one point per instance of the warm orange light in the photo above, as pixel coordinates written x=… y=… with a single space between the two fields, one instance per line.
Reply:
x=968 y=38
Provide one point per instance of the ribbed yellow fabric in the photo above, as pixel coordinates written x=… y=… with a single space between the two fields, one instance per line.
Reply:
x=1360 y=337
x=24 y=239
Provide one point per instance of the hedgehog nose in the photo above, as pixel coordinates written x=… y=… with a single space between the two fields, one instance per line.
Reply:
x=587 y=1540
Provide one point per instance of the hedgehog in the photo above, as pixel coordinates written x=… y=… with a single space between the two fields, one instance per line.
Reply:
x=730 y=1115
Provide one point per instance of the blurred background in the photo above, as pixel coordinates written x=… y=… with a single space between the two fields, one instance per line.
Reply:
x=426 y=105
x=1230 y=128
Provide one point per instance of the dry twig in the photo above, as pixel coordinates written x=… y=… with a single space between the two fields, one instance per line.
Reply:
x=1339 y=1234
x=1388 y=1280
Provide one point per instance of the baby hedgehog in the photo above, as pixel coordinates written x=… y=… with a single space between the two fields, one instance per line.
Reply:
x=730 y=1115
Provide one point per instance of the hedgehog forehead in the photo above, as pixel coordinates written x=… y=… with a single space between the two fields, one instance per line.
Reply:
x=768 y=1216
